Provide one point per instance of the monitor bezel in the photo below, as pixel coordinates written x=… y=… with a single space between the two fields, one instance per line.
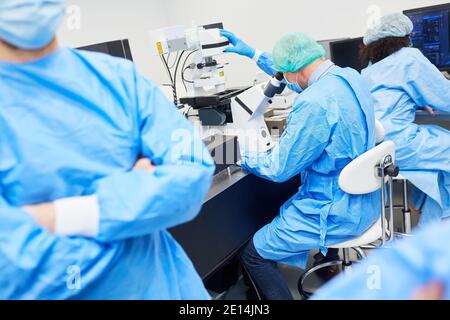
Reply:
x=125 y=43
x=435 y=7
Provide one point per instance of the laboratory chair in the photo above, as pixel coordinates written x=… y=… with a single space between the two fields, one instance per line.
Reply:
x=366 y=174
x=405 y=208
x=380 y=135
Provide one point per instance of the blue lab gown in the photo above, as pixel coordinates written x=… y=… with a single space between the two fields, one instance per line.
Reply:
x=400 y=84
x=332 y=123
x=398 y=272
x=74 y=124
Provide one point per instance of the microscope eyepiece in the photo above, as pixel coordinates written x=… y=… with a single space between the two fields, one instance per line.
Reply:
x=279 y=76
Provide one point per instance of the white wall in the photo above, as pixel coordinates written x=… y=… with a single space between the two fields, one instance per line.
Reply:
x=259 y=22
x=262 y=22
x=106 y=20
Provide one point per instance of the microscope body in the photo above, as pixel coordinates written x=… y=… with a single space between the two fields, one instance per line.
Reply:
x=248 y=109
x=239 y=111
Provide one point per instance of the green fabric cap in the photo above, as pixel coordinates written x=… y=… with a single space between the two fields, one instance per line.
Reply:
x=296 y=51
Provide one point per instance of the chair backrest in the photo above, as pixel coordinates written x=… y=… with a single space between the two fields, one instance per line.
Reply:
x=380 y=133
x=360 y=175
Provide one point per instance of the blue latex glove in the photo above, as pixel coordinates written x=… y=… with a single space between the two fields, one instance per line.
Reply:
x=238 y=46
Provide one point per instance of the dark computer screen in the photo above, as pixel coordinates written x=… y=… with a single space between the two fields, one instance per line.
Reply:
x=431 y=33
x=345 y=53
x=119 y=48
x=326 y=45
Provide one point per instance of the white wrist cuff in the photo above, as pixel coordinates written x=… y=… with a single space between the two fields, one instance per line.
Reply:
x=258 y=54
x=77 y=216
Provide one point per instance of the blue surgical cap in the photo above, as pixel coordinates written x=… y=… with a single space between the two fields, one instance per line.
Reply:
x=296 y=51
x=30 y=24
x=391 y=25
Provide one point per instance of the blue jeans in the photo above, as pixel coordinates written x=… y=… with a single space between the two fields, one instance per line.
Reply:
x=266 y=275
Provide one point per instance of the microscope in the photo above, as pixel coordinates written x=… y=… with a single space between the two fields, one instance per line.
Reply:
x=248 y=109
x=238 y=112
x=202 y=44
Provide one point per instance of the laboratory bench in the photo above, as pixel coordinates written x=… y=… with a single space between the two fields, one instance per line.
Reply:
x=440 y=119
x=237 y=205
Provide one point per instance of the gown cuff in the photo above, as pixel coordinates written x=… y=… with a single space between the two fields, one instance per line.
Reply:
x=77 y=216
x=257 y=55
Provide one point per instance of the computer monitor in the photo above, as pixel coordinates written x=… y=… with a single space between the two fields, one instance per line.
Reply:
x=326 y=45
x=345 y=53
x=431 y=33
x=118 y=48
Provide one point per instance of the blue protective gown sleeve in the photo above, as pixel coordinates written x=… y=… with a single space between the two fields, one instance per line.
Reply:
x=308 y=131
x=426 y=85
x=265 y=63
x=397 y=272
x=137 y=203
x=40 y=260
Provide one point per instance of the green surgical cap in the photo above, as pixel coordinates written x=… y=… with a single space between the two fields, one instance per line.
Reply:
x=296 y=51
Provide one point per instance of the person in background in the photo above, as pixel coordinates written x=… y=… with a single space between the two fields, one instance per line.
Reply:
x=401 y=80
x=332 y=122
x=95 y=165
x=264 y=61
x=416 y=268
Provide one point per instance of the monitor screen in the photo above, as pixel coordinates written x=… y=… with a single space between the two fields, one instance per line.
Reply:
x=119 y=48
x=431 y=33
x=326 y=45
x=345 y=53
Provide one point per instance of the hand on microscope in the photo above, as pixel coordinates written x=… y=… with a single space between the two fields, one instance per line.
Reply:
x=238 y=46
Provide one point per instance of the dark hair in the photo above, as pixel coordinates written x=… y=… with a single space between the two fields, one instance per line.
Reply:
x=9 y=45
x=382 y=48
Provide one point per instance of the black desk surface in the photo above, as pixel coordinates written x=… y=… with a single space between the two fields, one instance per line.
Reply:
x=237 y=206
x=441 y=119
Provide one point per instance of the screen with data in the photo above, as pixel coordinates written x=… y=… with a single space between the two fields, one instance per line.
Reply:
x=431 y=33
